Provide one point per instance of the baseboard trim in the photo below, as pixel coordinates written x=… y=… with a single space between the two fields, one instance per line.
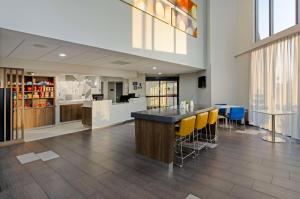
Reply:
x=9 y=143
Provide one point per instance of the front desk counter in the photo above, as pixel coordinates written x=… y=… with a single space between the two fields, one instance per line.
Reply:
x=100 y=114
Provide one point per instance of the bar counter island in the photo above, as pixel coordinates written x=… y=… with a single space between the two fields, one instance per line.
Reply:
x=155 y=131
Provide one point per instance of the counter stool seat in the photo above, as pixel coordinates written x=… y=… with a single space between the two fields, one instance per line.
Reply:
x=185 y=136
x=200 y=125
x=212 y=121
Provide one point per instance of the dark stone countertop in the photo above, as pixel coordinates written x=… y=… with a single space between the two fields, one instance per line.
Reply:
x=170 y=115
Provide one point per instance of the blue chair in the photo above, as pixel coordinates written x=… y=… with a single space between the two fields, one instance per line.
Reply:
x=222 y=111
x=237 y=114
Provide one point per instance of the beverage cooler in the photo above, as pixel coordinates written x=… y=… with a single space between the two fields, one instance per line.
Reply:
x=5 y=114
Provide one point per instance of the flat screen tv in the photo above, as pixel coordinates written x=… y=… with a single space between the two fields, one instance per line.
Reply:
x=202 y=82
x=98 y=97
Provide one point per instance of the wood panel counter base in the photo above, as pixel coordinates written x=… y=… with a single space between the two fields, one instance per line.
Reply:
x=87 y=116
x=155 y=140
x=70 y=112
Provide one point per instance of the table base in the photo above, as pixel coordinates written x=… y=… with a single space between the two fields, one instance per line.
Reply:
x=268 y=138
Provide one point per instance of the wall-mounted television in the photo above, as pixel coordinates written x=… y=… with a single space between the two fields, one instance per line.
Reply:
x=202 y=82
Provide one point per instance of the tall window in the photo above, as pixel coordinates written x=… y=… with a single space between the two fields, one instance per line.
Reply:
x=284 y=14
x=273 y=16
x=263 y=19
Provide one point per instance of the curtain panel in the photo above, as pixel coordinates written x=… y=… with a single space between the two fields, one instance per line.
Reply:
x=274 y=85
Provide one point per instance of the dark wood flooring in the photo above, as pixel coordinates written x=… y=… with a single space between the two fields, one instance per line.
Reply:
x=103 y=164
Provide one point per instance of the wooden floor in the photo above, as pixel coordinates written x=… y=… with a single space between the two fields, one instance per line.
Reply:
x=103 y=164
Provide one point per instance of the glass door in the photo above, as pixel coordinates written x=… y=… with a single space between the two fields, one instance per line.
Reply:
x=162 y=92
x=152 y=93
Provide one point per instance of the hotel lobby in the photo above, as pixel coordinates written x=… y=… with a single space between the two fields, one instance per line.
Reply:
x=185 y=99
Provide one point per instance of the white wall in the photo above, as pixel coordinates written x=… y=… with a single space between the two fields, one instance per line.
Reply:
x=245 y=25
x=188 y=87
x=245 y=40
x=141 y=78
x=108 y=24
x=242 y=78
x=230 y=32
x=106 y=80
x=222 y=49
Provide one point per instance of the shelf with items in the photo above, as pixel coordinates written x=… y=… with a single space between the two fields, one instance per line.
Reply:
x=43 y=102
x=40 y=86
x=38 y=95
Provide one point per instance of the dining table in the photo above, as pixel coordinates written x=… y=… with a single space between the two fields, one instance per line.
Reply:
x=227 y=108
x=273 y=137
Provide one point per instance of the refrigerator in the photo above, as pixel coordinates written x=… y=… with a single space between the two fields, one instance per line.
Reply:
x=5 y=114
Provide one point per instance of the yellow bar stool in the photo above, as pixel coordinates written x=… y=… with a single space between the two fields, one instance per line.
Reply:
x=200 y=125
x=212 y=121
x=185 y=135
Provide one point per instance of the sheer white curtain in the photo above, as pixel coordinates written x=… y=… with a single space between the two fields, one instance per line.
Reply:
x=275 y=86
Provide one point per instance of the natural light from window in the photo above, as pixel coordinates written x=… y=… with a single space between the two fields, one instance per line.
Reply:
x=152 y=34
x=284 y=14
x=263 y=16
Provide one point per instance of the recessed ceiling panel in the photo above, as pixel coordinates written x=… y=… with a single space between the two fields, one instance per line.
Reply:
x=85 y=58
x=8 y=42
x=32 y=50
x=69 y=50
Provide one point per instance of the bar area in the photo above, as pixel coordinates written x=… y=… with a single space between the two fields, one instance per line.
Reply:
x=155 y=130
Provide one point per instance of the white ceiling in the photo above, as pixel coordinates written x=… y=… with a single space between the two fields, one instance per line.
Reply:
x=40 y=49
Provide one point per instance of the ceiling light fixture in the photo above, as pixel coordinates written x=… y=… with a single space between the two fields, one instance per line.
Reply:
x=62 y=55
x=159 y=73
x=154 y=68
x=119 y=62
x=39 y=46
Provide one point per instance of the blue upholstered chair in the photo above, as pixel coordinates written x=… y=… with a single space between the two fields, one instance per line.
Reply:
x=237 y=114
x=222 y=113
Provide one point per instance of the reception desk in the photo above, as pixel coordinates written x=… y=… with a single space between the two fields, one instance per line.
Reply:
x=100 y=114
x=155 y=131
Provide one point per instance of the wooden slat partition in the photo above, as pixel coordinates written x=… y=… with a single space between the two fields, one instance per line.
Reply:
x=14 y=81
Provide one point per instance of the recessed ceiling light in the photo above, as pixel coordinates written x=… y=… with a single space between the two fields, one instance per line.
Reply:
x=119 y=62
x=159 y=73
x=62 y=55
x=154 y=68
x=39 y=46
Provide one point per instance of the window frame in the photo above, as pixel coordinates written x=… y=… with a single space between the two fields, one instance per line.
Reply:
x=271 y=18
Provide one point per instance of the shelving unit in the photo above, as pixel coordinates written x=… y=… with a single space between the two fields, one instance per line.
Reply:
x=39 y=100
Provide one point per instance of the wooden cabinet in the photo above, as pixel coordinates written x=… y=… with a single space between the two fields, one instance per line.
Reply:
x=70 y=112
x=29 y=118
x=77 y=111
x=50 y=116
x=38 y=117
x=87 y=116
